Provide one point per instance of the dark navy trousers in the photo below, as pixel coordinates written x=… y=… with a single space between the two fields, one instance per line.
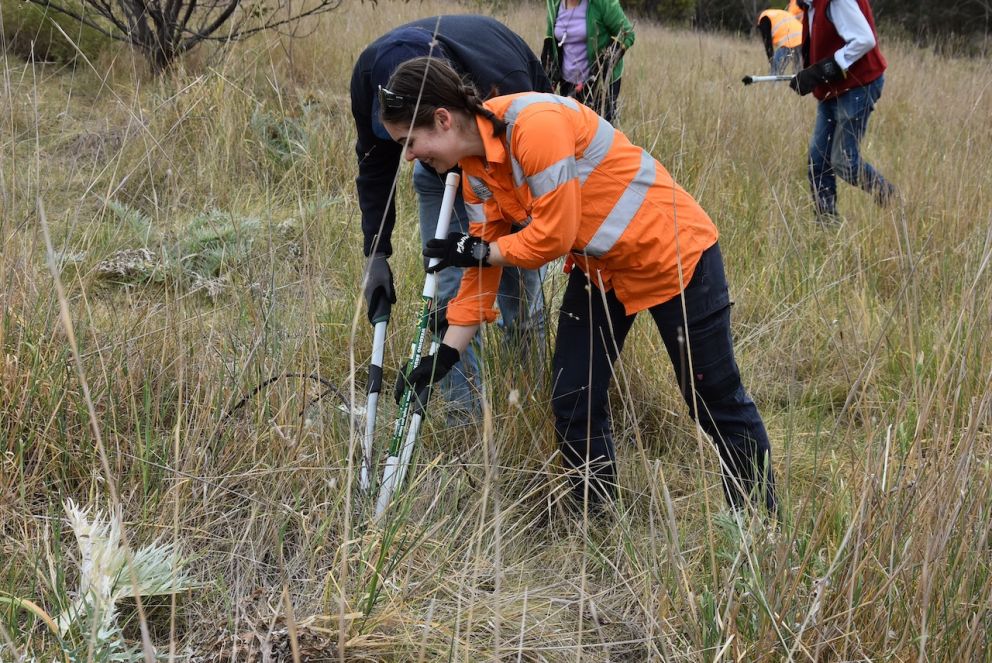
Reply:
x=592 y=327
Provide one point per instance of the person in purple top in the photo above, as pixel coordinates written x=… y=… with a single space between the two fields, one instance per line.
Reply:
x=584 y=48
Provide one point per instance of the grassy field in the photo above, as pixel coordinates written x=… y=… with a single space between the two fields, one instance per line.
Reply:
x=204 y=236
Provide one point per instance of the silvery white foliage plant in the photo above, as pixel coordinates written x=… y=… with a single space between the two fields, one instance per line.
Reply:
x=105 y=578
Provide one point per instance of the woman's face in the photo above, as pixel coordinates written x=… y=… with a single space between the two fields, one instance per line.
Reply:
x=438 y=146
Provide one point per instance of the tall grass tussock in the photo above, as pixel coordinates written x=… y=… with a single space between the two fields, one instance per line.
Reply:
x=169 y=243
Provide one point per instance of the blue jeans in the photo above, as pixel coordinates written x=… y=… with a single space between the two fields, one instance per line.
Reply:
x=786 y=60
x=835 y=149
x=520 y=297
x=592 y=328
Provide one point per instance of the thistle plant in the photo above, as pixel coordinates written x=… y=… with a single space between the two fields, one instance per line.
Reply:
x=106 y=577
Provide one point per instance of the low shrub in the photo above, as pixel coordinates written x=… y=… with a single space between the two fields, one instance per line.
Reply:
x=29 y=31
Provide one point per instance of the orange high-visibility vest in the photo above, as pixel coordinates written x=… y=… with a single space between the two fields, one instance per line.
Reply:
x=794 y=9
x=786 y=30
x=571 y=184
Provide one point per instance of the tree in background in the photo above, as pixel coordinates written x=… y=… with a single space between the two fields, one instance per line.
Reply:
x=662 y=10
x=165 y=29
x=929 y=22
x=924 y=21
x=730 y=15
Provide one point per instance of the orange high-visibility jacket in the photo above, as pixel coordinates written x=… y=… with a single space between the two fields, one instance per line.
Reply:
x=786 y=29
x=570 y=183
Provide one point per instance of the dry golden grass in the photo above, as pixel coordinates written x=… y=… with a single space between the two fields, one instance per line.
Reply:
x=866 y=348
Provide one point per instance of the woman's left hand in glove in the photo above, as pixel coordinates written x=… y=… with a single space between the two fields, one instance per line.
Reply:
x=431 y=369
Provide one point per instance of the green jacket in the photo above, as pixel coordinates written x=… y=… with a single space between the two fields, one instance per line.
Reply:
x=605 y=24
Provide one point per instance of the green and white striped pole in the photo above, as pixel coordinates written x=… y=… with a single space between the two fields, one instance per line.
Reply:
x=401 y=445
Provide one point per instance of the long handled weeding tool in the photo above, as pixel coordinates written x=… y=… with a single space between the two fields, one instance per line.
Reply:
x=401 y=446
x=748 y=80
x=380 y=318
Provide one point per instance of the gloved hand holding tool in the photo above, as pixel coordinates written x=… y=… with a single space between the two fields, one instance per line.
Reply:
x=825 y=71
x=379 y=286
x=457 y=250
x=422 y=377
x=379 y=299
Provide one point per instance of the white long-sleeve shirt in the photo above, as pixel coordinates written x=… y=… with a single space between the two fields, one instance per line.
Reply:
x=853 y=28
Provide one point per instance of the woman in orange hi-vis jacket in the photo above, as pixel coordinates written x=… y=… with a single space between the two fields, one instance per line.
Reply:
x=545 y=177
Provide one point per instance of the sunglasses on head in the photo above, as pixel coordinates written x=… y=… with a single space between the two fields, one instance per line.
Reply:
x=392 y=101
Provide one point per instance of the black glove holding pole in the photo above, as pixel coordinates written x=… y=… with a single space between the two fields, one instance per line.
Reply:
x=380 y=294
x=825 y=71
x=457 y=250
x=431 y=369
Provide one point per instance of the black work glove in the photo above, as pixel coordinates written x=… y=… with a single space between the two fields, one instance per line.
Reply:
x=457 y=250
x=432 y=368
x=825 y=71
x=379 y=292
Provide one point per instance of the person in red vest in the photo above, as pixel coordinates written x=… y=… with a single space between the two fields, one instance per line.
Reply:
x=545 y=177
x=843 y=68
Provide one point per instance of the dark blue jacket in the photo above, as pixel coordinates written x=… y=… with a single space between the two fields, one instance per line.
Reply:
x=496 y=59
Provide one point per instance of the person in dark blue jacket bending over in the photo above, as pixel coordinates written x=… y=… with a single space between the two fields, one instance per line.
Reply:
x=497 y=61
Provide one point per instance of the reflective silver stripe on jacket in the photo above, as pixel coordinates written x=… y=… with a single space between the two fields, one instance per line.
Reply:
x=596 y=151
x=561 y=172
x=779 y=22
x=788 y=36
x=514 y=111
x=552 y=177
x=626 y=208
x=557 y=174
x=791 y=35
x=476 y=212
x=624 y=211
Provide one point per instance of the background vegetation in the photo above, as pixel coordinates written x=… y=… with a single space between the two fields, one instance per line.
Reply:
x=205 y=235
x=33 y=32
x=962 y=26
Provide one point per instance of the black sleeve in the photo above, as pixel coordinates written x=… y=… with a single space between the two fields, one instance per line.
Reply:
x=376 y=171
x=765 y=30
x=804 y=49
x=378 y=161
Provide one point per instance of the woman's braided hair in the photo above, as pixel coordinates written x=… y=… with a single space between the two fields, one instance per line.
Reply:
x=437 y=85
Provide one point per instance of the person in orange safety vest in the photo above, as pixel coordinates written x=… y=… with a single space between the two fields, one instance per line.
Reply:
x=546 y=177
x=782 y=34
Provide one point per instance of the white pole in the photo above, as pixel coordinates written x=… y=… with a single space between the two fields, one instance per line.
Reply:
x=401 y=448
